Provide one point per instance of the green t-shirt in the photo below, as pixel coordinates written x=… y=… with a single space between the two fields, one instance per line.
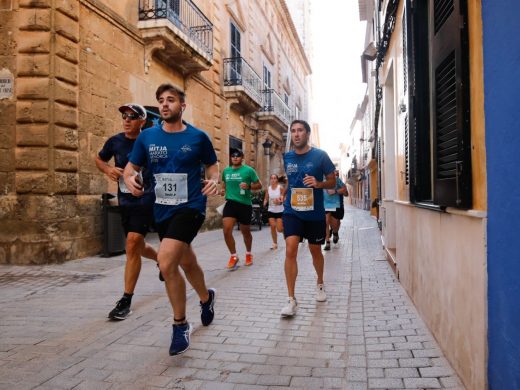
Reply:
x=233 y=177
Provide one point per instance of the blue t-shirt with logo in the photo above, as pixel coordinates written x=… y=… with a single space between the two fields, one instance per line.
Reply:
x=333 y=201
x=179 y=152
x=120 y=147
x=315 y=163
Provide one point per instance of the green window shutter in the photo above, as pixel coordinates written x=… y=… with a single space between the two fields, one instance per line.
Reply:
x=450 y=104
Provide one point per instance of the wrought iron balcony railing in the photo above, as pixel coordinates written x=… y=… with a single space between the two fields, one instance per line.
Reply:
x=185 y=15
x=273 y=103
x=238 y=72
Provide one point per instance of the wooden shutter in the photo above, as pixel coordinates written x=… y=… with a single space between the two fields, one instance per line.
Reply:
x=419 y=128
x=405 y=91
x=450 y=103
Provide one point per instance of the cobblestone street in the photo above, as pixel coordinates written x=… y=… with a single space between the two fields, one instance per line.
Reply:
x=54 y=331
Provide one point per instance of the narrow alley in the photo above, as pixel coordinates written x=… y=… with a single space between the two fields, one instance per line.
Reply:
x=54 y=333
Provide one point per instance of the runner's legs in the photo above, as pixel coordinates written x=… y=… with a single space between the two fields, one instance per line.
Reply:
x=170 y=254
x=274 y=234
x=248 y=237
x=228 y=225
x=291 y=265
x=317 y=260
x=134 y=247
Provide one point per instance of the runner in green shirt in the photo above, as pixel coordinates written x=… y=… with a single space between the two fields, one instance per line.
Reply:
x=237 y=182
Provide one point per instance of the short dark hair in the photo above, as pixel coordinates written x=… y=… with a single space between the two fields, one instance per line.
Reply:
x=173 y=89
x=301 y=122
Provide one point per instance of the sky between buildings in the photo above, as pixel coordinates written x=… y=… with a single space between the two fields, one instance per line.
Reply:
x=338 y=38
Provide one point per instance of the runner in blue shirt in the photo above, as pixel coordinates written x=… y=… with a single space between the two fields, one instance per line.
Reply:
x=174 y=151
x=136 y=212
x=304 y=214
x=333 y=200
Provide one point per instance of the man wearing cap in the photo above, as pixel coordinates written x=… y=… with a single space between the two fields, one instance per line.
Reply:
x=237 y=182
x=136 y=212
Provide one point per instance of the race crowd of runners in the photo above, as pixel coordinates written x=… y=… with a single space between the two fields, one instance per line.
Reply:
x=158 y=171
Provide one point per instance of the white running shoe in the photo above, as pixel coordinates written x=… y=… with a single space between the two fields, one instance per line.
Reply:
x=320 y=293
x=290 y=309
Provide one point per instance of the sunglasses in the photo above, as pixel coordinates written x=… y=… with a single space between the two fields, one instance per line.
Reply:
x=132 y=116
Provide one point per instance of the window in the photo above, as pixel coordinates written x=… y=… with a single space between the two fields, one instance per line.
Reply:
x=267 y=78
x=438 y=121
x=268 y=98
x=286 y=98
x=236 y=65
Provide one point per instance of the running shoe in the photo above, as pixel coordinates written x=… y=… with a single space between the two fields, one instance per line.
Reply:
x=121 y=311
x=207 y=311
x=180 y=338
x=232 y=263
x=249 y=259
x=320 y=293
x=335 y=237
x=327 y=246
x=290 y=309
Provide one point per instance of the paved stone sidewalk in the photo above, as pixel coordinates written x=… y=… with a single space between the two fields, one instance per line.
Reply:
x=54 y=333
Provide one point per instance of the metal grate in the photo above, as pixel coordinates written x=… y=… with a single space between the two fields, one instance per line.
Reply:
x=238 y=72
x=446 y=117
x=185 y=15
x=442 y=10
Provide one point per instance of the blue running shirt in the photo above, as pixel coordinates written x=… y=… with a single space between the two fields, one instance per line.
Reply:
x=180 y=152
x=333 y=201
x=120 y=147
x=315 y=163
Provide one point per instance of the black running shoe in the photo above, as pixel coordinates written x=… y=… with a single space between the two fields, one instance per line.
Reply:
x=121 y=311
x=207 y=311
x=327 y=246
x=335 y=237
x=180 y=338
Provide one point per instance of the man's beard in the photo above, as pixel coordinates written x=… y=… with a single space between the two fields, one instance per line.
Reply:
x=174 y=117
x=302 y=144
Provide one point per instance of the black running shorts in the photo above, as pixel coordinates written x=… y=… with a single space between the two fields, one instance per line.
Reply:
x=137 y=219
x=241 y=212
x=274 y=215
x=183 y=225
x=338 y=214
x=313 y=231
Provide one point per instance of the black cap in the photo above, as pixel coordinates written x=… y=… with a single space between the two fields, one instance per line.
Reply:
x=137 y=108
x=236 y=151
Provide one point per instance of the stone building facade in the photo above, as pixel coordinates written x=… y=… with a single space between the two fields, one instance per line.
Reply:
x=67 y=65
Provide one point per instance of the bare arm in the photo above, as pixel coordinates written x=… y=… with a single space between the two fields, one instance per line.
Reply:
x=266 y=196
x=257 y=185
x=342 y=190
x=211 y=183
x=329 y=182
x=111 y=172
x=130 y=177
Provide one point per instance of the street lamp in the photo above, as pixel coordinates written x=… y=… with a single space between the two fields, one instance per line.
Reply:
x=267 y=147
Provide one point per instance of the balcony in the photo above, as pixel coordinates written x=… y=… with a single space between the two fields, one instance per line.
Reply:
x=274 y=109
x=177 y=33
x=242 y=85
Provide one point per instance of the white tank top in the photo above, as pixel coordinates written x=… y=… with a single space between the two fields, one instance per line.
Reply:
x=274 y=194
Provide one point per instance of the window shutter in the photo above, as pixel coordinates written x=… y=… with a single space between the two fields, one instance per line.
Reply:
x=405 y=90
x=450 y=104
